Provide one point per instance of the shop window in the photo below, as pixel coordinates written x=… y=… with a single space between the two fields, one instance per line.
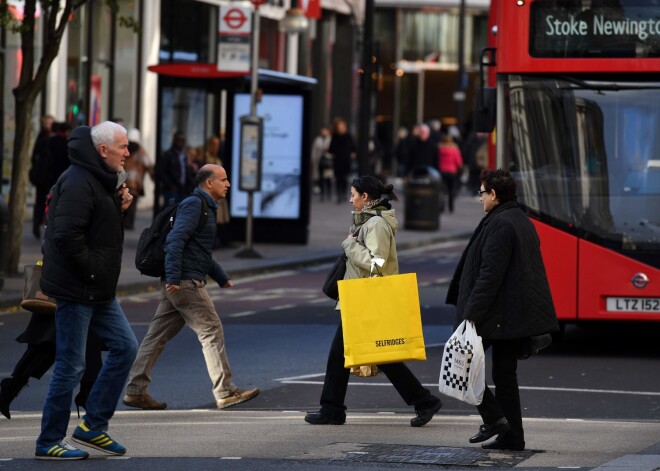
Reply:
x=77 y=89
x=125 y=66
x=188 y=31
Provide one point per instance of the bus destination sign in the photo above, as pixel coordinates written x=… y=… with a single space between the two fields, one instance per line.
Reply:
x=566 y=29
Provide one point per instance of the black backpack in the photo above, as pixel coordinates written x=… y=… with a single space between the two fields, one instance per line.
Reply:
x=150 y=253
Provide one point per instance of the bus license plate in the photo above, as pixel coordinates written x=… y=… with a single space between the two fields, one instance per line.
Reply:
x=633 y=304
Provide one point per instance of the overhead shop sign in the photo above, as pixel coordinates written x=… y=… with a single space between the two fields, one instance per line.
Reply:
x=234 y=37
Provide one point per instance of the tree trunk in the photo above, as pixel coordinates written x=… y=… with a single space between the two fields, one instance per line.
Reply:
x=19 y=182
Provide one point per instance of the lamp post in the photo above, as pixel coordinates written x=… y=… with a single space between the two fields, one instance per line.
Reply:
x=293 y=23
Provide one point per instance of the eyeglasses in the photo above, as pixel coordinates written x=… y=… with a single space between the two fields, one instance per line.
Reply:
x=481 y=192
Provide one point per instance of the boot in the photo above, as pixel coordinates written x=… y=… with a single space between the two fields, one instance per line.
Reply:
x=81 y=398
x=9 y=389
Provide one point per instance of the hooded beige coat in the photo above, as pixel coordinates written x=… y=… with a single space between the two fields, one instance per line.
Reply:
x=375 y=240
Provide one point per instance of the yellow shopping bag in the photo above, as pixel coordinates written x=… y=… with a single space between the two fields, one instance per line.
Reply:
x=381 y=320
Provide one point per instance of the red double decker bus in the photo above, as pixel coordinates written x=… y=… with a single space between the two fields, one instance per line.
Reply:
x=577 y=92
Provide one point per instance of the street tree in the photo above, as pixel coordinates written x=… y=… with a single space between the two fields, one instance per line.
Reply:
x=55 y=15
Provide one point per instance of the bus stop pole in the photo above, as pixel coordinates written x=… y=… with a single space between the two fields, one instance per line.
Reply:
x=248 y=251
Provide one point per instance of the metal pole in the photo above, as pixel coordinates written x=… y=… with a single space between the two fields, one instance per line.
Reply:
x=248 y=251
x=364 y=125
x=462 y=79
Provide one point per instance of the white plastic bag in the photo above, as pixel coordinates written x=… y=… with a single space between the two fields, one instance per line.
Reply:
x=463 y=367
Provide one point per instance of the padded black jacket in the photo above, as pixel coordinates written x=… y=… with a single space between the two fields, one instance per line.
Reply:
x=84 y=228
x=500 y=282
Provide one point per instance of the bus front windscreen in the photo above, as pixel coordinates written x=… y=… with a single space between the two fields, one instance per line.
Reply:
x=586 y=156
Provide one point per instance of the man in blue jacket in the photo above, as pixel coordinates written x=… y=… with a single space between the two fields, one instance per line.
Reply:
x=185 y=300
x=82 y=260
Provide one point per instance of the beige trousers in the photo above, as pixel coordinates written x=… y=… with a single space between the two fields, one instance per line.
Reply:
x=191 y=306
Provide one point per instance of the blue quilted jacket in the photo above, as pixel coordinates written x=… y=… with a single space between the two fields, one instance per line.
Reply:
x=188 y=254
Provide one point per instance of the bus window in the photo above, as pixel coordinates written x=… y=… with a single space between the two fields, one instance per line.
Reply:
x=581 y=152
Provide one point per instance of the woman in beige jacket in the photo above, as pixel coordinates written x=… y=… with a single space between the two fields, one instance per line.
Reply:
x=371 y=237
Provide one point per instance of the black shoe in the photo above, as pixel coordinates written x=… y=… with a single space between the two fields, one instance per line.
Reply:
x=500 y=445
x=319 y=418
x=424 y=416
x=490 y=430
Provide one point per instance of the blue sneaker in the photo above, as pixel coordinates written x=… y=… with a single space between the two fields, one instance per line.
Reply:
x=61 y=451
x=98 y=440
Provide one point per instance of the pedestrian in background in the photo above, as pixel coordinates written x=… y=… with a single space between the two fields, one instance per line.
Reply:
x=423 y=152
x=402 y=151
x=137 y=166
x=39 y=173
x=212 y=155
x=450 y=164
x=342 y=147
x=58 y=151
x=322 y=166
x=82 y=261
x=370 y=237
x=173 y=173
x=500 y=285
x=185 y=300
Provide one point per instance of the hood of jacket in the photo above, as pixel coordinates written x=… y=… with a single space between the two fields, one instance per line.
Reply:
x=83 y=154
x=389 y=215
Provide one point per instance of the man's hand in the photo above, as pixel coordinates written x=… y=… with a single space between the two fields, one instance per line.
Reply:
x=126 y=197
x=228 y=284
x=171 y=289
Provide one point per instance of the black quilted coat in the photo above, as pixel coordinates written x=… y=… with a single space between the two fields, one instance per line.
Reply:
x=500 y=282
x=84 y=228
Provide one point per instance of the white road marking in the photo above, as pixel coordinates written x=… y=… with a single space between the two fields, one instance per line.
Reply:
x=305 y=379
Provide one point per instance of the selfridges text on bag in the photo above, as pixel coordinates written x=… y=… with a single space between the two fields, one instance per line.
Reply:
x=463 y=367
x=381 y=320
x=150 y=253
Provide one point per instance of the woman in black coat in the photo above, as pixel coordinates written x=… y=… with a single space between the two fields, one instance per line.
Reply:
x=40 y=356
x=500 y=285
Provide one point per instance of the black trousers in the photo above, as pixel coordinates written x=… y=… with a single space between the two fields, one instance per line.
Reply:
x=506 y=400
x=336 y=382
x=39 y=209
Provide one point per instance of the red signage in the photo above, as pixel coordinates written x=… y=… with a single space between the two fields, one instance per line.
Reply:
x=312 y=8
x=235 y=18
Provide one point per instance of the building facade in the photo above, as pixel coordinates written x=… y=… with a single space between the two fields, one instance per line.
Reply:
x=102 y=71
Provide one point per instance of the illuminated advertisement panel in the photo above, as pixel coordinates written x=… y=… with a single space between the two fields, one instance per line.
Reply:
x=280 y=195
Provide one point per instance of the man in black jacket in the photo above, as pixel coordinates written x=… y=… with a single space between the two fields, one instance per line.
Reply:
x=82 y=261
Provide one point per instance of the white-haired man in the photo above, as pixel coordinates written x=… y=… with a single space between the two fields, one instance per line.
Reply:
x=82 y=261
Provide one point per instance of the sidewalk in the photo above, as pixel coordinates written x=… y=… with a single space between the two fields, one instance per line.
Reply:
x=329 y=223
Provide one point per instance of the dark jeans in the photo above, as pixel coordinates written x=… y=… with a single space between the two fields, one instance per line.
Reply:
x=336 y=382
x=73 y=321
x=506 y=400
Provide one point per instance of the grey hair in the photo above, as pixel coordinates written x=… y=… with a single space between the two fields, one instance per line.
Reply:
x=105 y=132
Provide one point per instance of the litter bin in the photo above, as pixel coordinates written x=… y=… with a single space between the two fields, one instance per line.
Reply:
x=4 y=234
x=423 y=195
